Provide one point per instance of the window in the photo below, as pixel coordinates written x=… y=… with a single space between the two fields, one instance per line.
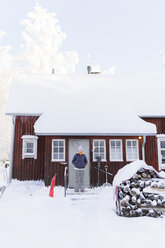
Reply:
x=99 y=149
x=161 y=152
x=29 y=146
x=116 y=153
x=132 y=151
x=58 y=150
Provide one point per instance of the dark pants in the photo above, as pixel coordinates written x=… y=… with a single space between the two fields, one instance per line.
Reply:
x=79 y=180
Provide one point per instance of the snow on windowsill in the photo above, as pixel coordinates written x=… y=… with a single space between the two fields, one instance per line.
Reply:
x=29 y=137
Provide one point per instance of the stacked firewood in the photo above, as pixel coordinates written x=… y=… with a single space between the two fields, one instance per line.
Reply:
x=142 y=195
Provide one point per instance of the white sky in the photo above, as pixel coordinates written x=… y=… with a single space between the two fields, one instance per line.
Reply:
x=126 y=33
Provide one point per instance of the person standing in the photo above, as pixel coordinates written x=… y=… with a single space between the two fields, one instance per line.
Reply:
x=79 y=161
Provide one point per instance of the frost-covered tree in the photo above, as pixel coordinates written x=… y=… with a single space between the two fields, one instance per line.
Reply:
x=5 y=56
x=41 y=51
x=6 y=72
x=43 y=39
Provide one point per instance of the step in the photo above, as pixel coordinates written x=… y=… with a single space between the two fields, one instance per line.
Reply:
x=81 y=196
x=86 y=192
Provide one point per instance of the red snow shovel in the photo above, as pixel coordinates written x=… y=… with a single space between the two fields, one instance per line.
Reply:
x=51 y=193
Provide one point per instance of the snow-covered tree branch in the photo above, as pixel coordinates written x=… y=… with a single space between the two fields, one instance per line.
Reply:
x=43 y=39
x=6 y=71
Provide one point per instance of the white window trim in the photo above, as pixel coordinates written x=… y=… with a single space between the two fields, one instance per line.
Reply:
x=137 y=150
x=58 y=160
x=116 y=160
x=104 y=160
x=31 y=139
x=161 y=166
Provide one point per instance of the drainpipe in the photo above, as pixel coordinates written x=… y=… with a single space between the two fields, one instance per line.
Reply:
x=143 y=147
x=12 y=148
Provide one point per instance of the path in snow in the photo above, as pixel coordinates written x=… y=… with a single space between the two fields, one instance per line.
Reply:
x=29 y=218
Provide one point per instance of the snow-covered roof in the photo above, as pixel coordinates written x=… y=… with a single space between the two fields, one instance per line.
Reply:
x=89 y=104
x=130 y=170
x=146 y=94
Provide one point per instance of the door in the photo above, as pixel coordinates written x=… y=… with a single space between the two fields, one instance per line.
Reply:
x=73 y=146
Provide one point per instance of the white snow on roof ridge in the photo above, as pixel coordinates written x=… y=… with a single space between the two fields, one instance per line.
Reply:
x=91 y=103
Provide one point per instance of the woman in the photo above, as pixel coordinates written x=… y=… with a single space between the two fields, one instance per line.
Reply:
x=79 y=161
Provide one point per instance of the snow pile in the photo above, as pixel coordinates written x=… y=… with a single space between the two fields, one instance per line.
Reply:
x=42 y=221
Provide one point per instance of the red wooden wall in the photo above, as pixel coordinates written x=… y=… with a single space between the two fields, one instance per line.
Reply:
x=43 y=168
x=28 y=168
x=57 y=167
x=151 y=149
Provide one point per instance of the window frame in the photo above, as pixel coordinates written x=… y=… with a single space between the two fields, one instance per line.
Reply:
x=159 y=139
x=58 y=160
x=29 y=139
x=110 y=158
x=95 y=160
x=137 y=142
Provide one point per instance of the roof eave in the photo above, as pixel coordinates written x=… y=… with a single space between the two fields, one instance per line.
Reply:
x=151 y=116
x=95 y=134
x=23 y=114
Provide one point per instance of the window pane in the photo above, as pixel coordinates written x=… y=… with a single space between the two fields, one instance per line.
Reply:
x=96 y=143
x=55 y=143
x=61 y=156
x=129 y=154
x=128 y=143
x=96 y=149
x=102 y=155
x=118 y=143
x=113 y=149
x=162 y=144
x=102 y=149
x=55 y=156
x=163 y=157
x=112 y=143
x=118 y=149
x=118 y=156
x=134 y=143
x=113 y=155
x=61 y=149
x=61 y=143
x=134 y=150
x=101 y=143
x=55 y=150
x=29 y=145
x=96 y=155
x=29 y=150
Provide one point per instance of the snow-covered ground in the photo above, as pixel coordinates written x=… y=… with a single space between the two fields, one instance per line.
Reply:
x=30 y=218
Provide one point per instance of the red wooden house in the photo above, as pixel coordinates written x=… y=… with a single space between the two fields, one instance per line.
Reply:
x=52 y=115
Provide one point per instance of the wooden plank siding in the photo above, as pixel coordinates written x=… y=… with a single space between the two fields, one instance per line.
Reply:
x=151 y=149
x=28 y=168
x=58 y=167
x=159 y=122
x=43 y=168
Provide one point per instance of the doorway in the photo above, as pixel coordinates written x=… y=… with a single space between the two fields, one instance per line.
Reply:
x=73 y=146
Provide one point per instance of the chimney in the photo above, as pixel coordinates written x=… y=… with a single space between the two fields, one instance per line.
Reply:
x=89 y=69
x=93 y=69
